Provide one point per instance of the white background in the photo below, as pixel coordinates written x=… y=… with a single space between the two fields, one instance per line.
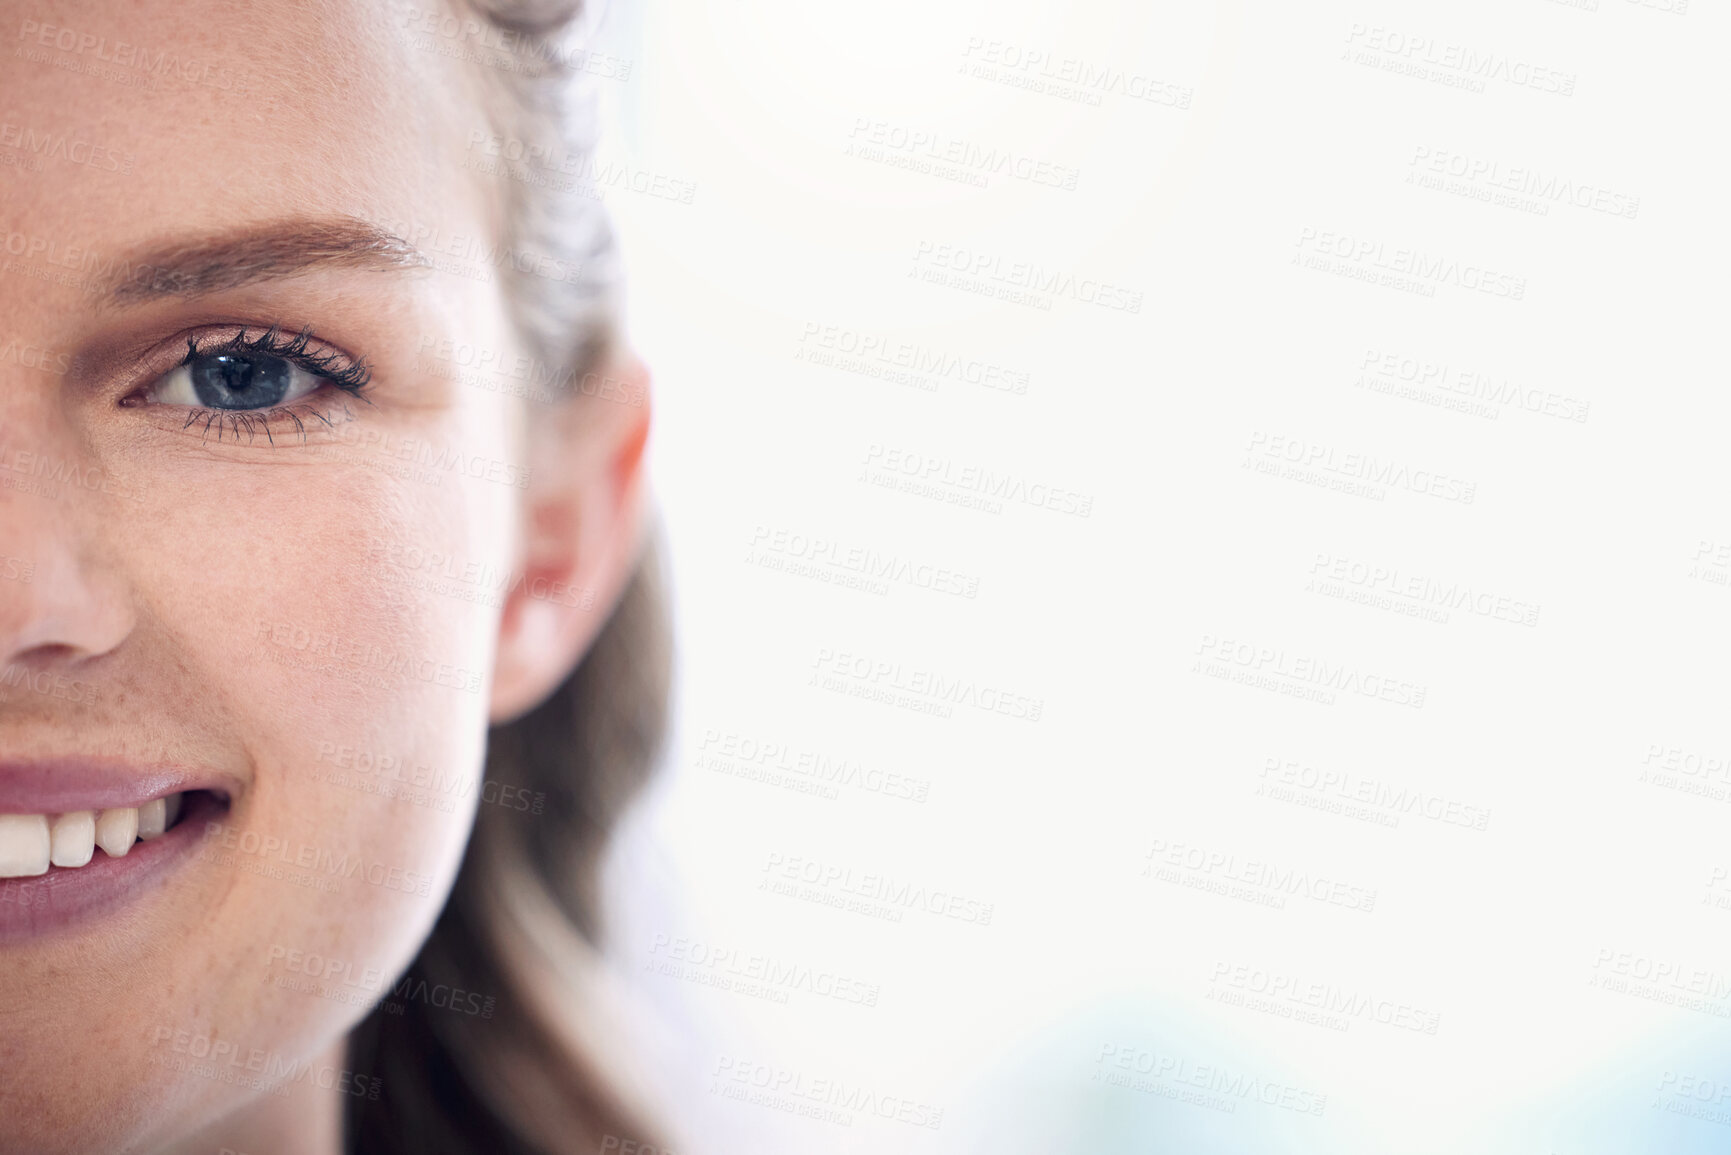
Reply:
x=1504 y=647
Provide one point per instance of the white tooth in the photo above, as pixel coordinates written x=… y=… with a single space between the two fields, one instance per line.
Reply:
x=152 y=819
x=23 y=845
x=172 y=814
x=116 y=829
x=72 y=838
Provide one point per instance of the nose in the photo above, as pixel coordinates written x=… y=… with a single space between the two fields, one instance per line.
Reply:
x=62 y=603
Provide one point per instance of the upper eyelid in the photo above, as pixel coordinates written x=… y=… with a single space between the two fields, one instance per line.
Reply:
x=271 y=341
x=351 y=374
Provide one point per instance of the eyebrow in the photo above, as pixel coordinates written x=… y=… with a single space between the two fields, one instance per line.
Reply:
x=193 y=266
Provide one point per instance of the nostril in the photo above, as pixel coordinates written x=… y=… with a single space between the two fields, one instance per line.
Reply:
x=51 y=671
x=46 y=655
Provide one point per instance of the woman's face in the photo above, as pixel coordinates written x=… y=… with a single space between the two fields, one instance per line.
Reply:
x=221 y=574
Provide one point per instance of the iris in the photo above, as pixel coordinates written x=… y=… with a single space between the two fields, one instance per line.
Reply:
x=239 y=380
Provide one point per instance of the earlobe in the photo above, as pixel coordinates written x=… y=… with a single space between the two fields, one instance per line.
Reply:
x=582 y=528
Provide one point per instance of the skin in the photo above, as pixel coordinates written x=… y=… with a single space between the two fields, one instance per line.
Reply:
x=175 y=582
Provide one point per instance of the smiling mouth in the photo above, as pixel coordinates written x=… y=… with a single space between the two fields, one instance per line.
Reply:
x=31 y=844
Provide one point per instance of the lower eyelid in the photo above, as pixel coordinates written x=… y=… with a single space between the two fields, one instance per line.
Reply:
x=310 y=420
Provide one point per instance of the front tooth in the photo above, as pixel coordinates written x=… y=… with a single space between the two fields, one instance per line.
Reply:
x=23 y=845
x=73 y=838
x=152 y=819
x=116 y=830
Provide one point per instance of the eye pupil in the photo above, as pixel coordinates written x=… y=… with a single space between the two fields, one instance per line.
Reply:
x=238 y=381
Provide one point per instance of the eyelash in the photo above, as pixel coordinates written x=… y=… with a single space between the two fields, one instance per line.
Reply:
x=351 y=377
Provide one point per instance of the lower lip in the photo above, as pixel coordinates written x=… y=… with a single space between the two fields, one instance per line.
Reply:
x=68 y=897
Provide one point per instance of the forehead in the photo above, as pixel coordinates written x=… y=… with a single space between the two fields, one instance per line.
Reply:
x=132 y=120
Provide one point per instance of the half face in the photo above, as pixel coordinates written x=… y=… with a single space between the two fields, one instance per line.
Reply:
x=254 y=534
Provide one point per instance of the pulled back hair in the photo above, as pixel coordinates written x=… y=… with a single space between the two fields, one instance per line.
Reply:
x=531 y=1071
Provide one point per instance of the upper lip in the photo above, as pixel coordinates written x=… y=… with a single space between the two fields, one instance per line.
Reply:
x=62 y=785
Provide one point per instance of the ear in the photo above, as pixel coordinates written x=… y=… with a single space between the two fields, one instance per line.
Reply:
x=582 y=526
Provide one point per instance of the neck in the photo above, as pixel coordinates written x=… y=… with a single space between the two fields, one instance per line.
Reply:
x=301 y=1118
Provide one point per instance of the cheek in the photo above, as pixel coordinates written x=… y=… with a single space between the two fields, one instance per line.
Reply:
x=360 y=618
x=335 y=622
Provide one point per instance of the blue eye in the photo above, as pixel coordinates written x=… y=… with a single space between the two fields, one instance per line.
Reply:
x=239 y=381
x=235 y=381
x=252 y=374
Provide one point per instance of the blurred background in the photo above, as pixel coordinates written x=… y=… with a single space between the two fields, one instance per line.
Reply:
x=1201 y=564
